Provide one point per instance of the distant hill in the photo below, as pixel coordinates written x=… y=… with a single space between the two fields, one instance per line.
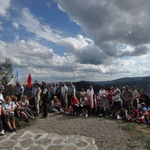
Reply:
x=138 y=82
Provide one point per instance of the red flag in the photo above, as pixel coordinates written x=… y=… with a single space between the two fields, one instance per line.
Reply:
x=29 y=81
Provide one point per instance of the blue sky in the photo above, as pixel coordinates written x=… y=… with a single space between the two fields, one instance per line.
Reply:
x=74 y=40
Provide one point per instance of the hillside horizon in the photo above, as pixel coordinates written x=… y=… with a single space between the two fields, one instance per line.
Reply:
x=138 y=82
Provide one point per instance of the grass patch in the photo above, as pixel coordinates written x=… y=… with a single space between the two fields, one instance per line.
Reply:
x=132 y=145
x=147 y=143
x=139 y=133
x=127 y=126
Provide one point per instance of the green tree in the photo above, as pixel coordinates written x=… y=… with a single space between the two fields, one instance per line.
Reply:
x=6 y=73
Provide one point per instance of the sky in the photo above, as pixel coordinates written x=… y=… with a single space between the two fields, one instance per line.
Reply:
x=75 y=40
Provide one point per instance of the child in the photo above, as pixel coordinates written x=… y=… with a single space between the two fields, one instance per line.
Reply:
x=122 y=115
x=134 y=114
x=143 y=113
x=56 y=104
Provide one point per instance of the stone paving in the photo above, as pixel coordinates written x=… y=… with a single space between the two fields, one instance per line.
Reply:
x=38 y=140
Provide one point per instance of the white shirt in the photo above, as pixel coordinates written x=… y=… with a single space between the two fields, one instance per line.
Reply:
x=116 y=98
x=64 y=90
x=102 y=92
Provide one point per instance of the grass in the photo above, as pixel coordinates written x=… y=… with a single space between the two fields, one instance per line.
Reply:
x=139 y=134
x=147 y=143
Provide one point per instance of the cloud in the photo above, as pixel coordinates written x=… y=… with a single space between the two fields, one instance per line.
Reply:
x=4 y=5
x=111 y=22
x=116 y=38
x=15 y=25
x=79 y=46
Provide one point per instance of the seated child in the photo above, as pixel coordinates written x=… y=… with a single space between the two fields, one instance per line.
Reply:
x=143 y=112
x=56 y=105
x=122 y=115
x=134 y=114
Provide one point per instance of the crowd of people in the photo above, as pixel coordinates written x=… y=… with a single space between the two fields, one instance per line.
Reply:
x=127 y=104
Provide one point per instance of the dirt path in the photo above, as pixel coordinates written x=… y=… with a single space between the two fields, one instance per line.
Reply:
x=106 y=132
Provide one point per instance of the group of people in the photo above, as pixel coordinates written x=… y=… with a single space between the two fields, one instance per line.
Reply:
x=11 y=107
x=127 y=104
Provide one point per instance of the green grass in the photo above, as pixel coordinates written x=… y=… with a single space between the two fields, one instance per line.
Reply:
x=147 y=143
x=128 y=127
x=139 y=133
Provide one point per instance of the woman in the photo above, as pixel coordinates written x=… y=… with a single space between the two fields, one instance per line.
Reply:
x=24 y=106
x=37 y=98
x=18 y=111
x=8 y=108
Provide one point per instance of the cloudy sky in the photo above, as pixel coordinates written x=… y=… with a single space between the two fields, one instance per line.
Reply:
x=74 y=40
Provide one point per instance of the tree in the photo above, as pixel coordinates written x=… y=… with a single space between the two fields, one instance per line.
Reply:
x=6 y=73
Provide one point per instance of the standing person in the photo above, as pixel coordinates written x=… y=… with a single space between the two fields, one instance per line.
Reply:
x=64 y=92
x=135 y=98
x=58 y=91
x=82 y=92
x=18 y=91
x=143 y=98
x=102 y=91
x=71 y=90
x=90 y=93
x=116 y=100
x=1 y=101
x=50 y=93
x=127 y=98
x=54 y=90
x=109 y=96
x=44 y=98
x=37 y=97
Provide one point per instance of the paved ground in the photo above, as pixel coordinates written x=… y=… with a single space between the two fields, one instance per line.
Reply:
x=39 y=140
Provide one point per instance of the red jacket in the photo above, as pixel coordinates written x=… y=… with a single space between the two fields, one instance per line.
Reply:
x=74 y=101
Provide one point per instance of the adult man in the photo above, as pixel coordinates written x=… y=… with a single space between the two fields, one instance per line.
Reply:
x=18 y=91
x=44 y=98
x=127 y=98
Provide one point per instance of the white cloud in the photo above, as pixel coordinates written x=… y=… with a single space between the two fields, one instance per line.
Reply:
x=111 y=22
x=15 y=25
x=4 y=5
x=108 y=23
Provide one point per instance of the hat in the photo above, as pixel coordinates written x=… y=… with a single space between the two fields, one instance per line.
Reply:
x=144 y=109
